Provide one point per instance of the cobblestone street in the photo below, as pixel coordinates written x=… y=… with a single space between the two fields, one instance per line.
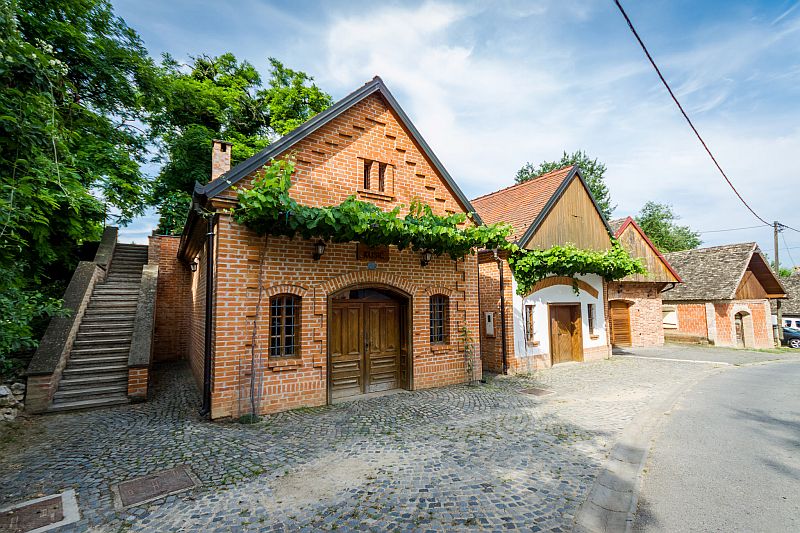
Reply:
x=485 y=456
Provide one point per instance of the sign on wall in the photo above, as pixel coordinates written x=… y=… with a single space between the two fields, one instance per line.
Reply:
x=376 y=254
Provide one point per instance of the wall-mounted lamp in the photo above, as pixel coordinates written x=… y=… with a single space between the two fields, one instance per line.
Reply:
x=319 y=249
x=427 y=256
x=193 y=266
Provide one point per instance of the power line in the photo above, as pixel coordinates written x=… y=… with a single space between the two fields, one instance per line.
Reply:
x=675 y=99
x=730 y=229
x=791 y=228
x=785 y=245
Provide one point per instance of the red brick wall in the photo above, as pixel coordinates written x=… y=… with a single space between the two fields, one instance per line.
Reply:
x=491 y=347
x=137 y=383
x=173 y=300
x=197 y=315
x=644 y=301
x=759 y=321
x=289 y=268
x=692 y=320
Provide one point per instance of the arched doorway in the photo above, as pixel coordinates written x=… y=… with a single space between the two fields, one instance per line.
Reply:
x=368 y=341
x=739 y=325
x=620 y=321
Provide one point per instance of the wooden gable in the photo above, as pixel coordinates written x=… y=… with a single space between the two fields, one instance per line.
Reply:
x=639 y=247
x=750 y=288
x=572 y=218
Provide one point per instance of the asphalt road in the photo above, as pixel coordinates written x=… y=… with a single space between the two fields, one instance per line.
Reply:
x=728 y=456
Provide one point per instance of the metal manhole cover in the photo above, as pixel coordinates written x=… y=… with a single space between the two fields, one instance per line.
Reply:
x=41 y=514
x=154 y=486
x=534 y=391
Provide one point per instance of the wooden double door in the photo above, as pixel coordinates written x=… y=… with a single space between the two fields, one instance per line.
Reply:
x=367 y=347
x=566 y=339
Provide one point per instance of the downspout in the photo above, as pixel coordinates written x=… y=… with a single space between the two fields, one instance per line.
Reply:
x=502 y=312
x=668 y=287
x=206 y=408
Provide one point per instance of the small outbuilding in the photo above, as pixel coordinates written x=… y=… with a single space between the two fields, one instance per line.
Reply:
x=724 y=298
x=634 y=302
x=790 y=307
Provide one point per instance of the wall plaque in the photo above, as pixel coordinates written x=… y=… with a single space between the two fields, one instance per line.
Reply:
x=374 y=254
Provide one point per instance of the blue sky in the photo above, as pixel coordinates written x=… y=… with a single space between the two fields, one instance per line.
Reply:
x=492 y=85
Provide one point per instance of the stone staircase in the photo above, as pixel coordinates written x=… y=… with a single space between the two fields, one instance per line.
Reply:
x=96 y=374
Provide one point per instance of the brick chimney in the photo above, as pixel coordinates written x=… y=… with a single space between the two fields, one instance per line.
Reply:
x=220 y=158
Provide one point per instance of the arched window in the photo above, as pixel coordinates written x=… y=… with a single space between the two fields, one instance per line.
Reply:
x=440 y=305
x=284 y=325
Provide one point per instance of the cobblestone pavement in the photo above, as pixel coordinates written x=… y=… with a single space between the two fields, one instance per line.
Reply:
x=463 y=457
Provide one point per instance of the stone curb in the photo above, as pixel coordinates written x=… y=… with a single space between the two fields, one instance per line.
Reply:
x=614 y=497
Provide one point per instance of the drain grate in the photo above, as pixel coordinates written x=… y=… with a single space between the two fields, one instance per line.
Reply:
x=534 y=391
x=153 y=486
x=41 y=514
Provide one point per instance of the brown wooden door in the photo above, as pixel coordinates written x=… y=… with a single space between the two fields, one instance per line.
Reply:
x=566 y=341
x=620 y=320
x=346 y=350
x=383 y=346
x=365 y=348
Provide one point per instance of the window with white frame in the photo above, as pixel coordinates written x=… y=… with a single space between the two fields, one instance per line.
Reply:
x=530 y=323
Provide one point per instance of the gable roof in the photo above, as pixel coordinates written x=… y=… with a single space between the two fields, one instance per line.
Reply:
x=791 y=305
x=715 y=273
x=525 y=205
x=376 y=86
x=619 y=225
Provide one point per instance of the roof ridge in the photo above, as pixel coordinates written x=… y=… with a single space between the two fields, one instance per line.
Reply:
x=752 y=244
x=526 y=182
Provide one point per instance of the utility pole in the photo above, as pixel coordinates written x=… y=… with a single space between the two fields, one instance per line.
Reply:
x=778 y=228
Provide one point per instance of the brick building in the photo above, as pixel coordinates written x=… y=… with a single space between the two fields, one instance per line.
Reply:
x=724 y=298
x=635 y=314
x=552 y=323
x=278 y=323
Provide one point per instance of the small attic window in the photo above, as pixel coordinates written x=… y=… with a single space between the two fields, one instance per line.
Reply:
x=367 y=172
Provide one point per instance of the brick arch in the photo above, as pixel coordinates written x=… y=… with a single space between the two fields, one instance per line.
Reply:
x=748 y=325
x=430 y=290
x=563 y=280
x=285 y=288
x=368 y=277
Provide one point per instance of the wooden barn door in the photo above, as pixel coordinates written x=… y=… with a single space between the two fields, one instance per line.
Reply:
x=346 y=350
x=365 y=348
x=620 y=323
x=566 y=340
x=383 y=346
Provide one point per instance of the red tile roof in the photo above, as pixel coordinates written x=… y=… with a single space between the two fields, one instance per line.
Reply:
x=520 y=204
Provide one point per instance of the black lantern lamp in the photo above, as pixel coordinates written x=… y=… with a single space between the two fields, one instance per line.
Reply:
x=427 y=256
x=193 y=266
x=319 y=249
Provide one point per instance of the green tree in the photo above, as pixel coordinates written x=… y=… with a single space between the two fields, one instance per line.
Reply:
x=591 y=169
x=659 y=222
x=72 y=82
x=221 y=98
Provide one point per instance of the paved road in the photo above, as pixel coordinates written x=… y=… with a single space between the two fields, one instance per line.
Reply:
x=728 y=456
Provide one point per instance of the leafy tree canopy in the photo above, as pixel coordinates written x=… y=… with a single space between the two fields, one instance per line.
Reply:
x=72 y=82
x=659 y=222
x=222 y=98
x=591 y=169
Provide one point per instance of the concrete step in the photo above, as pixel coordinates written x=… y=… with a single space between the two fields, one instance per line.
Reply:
x=101 y=326
x=106 y=333
x=87 y=371
x=85 y=352
x=106 y=401
x=103 y=290
x=85 y=393
x=119 y=320
x=105 y=308
x=111 y=339
x=113 y=303
x=75 y=362
x=99 y=380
